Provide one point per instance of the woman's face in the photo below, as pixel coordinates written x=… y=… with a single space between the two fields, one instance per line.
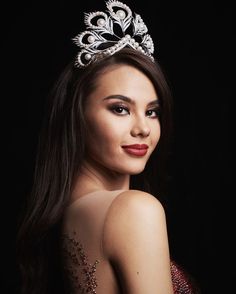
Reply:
x=122 y=111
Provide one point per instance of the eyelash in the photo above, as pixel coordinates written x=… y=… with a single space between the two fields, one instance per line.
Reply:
x=114 y=109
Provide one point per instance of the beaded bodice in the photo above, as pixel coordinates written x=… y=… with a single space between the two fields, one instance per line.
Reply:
x=181 y=282
x=81 y=273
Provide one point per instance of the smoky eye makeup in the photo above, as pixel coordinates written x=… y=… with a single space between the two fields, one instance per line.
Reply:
x=118 y=105
x=119 y=108
x=153 y=112
x=123 y=110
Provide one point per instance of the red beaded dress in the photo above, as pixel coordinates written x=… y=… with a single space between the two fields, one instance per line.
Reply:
x=86 y=269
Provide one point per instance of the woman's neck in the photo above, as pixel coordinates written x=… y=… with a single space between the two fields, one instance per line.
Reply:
x=96 y=177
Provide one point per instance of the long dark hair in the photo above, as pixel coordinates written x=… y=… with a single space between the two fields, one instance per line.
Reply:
x=59 y=156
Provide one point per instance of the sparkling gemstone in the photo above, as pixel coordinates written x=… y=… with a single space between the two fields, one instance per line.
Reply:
x=91 y=39
x=120 y=14
x=87 y=56
x=100 y=22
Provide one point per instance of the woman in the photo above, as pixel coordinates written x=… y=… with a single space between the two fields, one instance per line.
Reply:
x=87 y=228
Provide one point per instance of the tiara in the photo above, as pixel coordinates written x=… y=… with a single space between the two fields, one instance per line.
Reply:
x=108 y=33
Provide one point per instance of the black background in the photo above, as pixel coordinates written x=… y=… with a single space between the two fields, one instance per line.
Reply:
x=194 y=44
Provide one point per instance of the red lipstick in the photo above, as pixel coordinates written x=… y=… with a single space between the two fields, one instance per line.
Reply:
x=136 y=149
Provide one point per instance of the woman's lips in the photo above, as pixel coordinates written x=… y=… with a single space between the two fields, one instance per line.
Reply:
x=136 y=149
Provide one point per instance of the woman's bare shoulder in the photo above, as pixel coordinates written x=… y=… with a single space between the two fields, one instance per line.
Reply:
x=136 y=244
x=132 y=213
x=132 y=201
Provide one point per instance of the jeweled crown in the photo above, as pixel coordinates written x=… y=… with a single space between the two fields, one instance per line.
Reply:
x=108 y=33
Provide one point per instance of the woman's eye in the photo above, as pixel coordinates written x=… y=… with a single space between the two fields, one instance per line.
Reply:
x=120 y=110
x=152 y=113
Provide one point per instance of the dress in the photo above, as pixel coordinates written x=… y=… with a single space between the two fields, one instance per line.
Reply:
x=83 y=260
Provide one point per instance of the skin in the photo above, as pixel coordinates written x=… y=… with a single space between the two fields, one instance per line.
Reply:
x=122 y=110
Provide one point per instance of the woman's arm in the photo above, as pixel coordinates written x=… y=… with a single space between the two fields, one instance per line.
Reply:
x=135 y=241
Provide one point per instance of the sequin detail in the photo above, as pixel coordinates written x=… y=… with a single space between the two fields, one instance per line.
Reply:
x=81 y=273
x=181 y=285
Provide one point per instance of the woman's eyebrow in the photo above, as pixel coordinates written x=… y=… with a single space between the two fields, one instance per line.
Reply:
x=129 y=100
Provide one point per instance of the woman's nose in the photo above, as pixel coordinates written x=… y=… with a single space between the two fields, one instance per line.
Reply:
x=140 y=128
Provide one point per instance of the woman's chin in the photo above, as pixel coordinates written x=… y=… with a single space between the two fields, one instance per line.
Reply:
x=136 y=171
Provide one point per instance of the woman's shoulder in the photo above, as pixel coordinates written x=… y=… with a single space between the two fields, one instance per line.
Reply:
x=133 y=215
x=134 y=201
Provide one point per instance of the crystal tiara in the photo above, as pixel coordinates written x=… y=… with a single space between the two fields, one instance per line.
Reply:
x=108 y=33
